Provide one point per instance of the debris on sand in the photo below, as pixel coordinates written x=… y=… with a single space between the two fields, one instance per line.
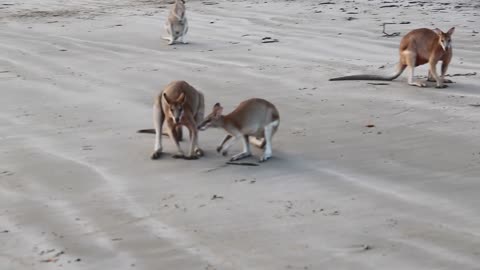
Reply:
x=49 y=260
x=215 y=197
x=269 y=40
x=389 y=6
x=385 y=34
x=461 y=74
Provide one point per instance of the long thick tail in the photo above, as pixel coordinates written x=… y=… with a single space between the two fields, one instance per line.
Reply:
x=149 y=131
x=178 y=132
x=371 y=77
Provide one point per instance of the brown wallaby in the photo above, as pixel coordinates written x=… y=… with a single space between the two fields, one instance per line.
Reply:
x=253 y=117
x=178 y=105
x=418 y=47
x=177 y=24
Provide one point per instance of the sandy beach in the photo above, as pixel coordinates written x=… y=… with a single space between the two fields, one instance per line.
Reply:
x=363 y=176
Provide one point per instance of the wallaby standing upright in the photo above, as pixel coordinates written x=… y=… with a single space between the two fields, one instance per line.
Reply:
x=177 y=24
x=253 y=117
x=418 y=47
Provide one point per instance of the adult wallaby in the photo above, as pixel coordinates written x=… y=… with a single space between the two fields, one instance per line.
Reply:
x=178 y=105
x=177 y=24
x=418 y=47
x=253 y=117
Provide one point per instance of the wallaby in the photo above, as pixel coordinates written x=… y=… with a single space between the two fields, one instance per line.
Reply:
x=253 y=117
x=418 y=47
x=178 y=105
x=176 y=25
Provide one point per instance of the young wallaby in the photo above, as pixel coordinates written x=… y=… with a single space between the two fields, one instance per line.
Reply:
x=178 y=105
x=418 y=47
x=176 y=24
x=253 y=117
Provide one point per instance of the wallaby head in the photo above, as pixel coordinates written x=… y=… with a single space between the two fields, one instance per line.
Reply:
x=445 y=39
x=175 y=108
x=214 y=119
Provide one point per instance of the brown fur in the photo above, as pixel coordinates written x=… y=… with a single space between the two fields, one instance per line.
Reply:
x=176 y=25
x=419 y=47
x=178 y=105
x=255 y=119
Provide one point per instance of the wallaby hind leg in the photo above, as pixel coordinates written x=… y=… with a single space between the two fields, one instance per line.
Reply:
x=193 y=142
x=430 y=77
x=410 y=58
x=246 y=149
x=171 y=133
x=184 y=33
x=158 y=119
x=199 y=119
x=270 y=130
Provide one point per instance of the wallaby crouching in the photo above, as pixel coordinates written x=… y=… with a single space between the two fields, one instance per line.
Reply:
x=255 y=117
x=178 y=105
x=418 y=47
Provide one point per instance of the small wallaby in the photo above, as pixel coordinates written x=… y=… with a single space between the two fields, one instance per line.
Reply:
x=418 y=47
x=178 y=105
x=253 y=117
x=176 y=25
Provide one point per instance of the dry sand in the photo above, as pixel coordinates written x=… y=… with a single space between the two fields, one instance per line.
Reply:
x=77 y=80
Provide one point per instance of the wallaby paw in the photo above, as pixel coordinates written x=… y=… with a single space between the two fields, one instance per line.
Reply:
x=199 y=152
x=156 y=155
x=441 y=86
x=190 y=157
x=219 y=149
x=264 y=158
x=224 y=153
x=178 y=155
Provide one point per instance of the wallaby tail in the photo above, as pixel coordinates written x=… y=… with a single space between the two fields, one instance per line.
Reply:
x=363 y=77
x=178 y=132
x=150 y=131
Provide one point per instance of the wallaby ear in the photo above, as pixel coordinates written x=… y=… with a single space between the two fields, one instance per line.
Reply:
x=450 y=32
x=166 y=98
x=217 y=109
x=438 y=31
x=182 y=98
